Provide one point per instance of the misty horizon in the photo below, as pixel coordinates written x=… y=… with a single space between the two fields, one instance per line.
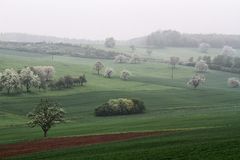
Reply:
x=123 y=20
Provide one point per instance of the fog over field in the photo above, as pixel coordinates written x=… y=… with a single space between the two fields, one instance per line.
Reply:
x=119 y=79
x=122 y=19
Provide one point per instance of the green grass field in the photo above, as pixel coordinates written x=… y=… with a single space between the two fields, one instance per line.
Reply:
x=206 y=120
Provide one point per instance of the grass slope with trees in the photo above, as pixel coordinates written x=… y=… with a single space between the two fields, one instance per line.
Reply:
x=204 y=121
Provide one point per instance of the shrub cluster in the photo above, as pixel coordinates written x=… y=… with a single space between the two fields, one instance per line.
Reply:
x=120 y=106
x=68 y=82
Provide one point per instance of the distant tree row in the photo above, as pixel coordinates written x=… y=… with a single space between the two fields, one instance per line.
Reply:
x=134 y=59
x=84 y=51
x=171 y=38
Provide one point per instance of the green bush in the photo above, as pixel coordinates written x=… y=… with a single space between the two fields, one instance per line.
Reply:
x=120 y=106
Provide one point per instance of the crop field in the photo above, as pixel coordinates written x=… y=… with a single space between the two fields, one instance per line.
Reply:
x=204 y=122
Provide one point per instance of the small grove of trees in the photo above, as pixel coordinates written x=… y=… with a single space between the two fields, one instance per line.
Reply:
x=46 y=115
x=203 y=47
x=110 y=42
x=13 y=81
x=233 y=82
x=120 y=106
x=196 y=80
x=68 y=82
x=201 y=66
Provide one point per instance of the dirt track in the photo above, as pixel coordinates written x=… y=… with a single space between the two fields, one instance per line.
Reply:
x=63 y=142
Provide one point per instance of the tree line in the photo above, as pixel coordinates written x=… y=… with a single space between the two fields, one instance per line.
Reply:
x=171 y=38
x=83 y=51
x=39 y=77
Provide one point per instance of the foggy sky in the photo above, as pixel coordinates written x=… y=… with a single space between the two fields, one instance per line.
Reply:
x=122 y=19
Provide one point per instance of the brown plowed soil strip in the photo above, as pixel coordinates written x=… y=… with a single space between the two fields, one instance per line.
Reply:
x=63 y=142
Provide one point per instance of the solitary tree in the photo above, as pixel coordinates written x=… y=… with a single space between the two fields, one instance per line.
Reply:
x=203 y=47
x=46 y=115
x=98 y=66
x=110 y=42
x=174 y=61
x=125 y=74
x=196 y=80
x=29 y=79
x=108 y=72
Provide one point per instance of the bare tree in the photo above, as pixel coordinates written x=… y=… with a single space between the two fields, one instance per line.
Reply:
x=174 y=61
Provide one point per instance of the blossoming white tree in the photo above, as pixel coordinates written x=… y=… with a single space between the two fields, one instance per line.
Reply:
x=135 y=59
x=201 y=66
x=45 y=73
x=121 y=59
x=196 y=80
x=203 y=47
x=29 y=79
x=228 y=51
x=10 y=80
x=108 y=72
x=125 y=74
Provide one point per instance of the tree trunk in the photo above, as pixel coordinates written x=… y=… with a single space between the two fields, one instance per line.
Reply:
x=45 y=133
x=27 y=87
x=172 y=72
x=98 y=72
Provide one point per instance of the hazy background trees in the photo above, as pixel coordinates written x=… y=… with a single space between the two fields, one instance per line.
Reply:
x=203 y=47
x=110 y=42
x=201 y=66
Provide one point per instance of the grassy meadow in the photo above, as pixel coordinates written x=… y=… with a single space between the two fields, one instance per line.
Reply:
x=205 y=120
